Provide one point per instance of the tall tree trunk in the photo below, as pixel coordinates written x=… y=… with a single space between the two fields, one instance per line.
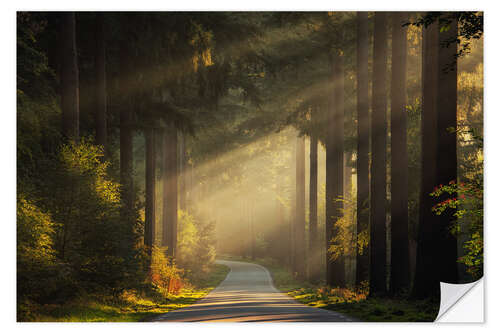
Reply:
x=149 y=228
x=313 y=210
x=335 y=270
x=350 y=260
x=363 y=181
x=437 y=248
x=300 y=210
x=426 y=277
x=126 y=160
x=170 y=191
x=101 y=94
x=182 y=172
x=447 y=147
x=400 y=255
x=378 y=284
x=70 y=104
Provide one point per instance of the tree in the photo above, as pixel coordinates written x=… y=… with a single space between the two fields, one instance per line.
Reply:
x=170 y=190
x=447 y=143
x=363 y=143
x=70 y=104
x=149 y=228
x=400 y=268
x=378 y=196
x=335 y=272
x=426 y=284
x=300 y=210
x=126 y=159
x=437 y=246
x=313 y=209
x=101 y=93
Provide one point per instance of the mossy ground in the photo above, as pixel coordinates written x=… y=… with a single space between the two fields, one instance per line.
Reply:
x=130 y=306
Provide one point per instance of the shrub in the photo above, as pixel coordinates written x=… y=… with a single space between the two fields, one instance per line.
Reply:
x=164 y=273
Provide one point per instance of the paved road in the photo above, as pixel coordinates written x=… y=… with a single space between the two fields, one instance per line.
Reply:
x=248 y=295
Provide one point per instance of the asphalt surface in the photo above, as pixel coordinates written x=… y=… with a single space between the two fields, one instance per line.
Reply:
x=248 y=295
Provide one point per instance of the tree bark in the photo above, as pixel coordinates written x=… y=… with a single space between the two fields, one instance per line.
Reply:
x=447 y=147
x=426 y=272
x=101 y=93
x=70 y=104
x=170 y=191
x=300 y=210
x=363 y=144
x=335 y=270
x=400 y=256
x=149 y=228
x=378 y=198
x=313 y=210
x=126 y=160
x=182 y=172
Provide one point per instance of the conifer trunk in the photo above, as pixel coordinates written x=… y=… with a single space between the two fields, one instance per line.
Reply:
x=426 y=277
x=335 y=272
x=300 y=211
x=447 y=147
x=378 y=198
x=363 y=144
x=149 y=228
x=70 y=104
x=400 y=256
x=313 y=210
x=101 y=93
x=170 y=191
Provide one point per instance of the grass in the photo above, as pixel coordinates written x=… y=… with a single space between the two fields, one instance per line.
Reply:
x=130 y=306
x=348 y=301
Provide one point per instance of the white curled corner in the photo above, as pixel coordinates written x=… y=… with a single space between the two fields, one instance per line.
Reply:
x=461 y=302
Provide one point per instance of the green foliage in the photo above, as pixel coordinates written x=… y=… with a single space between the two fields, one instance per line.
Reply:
x=196 y=243
x=71 y=238
x=164 y=273
x=466 y=200
x=345 y=243
x=37 y=266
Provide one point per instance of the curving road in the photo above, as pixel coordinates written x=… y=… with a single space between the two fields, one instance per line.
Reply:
x=248 y=295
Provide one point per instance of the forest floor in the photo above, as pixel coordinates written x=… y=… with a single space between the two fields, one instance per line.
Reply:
x=129 y=306
x=348 y=301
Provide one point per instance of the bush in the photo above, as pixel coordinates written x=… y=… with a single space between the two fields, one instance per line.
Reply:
x=196 y=246
x=164 y=273
x=36 y=260
x=466 y=199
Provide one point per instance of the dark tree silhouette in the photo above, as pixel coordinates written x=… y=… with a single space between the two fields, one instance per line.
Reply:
x=150 y=214
x=101 y=93
x=300 y=210
x=335 y=272
x=400 y=268
x=363 y=144
x=313 y=209
x=170 y=191
x=70 y=104
x=378 y=197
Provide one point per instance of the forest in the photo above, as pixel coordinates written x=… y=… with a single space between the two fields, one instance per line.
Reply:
x=343 y=151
